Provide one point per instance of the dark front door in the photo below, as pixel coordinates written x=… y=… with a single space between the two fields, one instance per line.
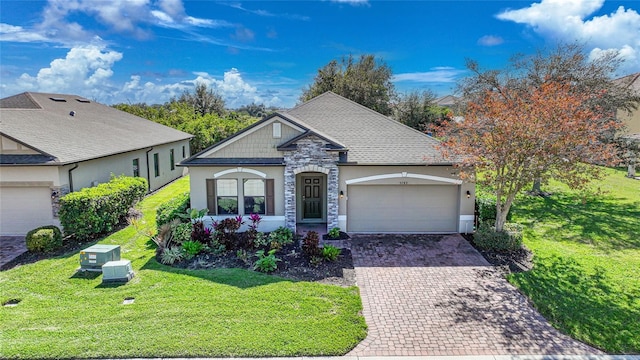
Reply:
x=312 y=197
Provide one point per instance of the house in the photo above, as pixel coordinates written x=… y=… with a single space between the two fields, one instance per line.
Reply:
x=333 y=162
x=53 y=144
x=631 y=133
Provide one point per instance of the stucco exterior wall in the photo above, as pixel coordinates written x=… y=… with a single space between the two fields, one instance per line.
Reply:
x=198 y=182
x=260 y=143
x=632 y=121
x=90 y=173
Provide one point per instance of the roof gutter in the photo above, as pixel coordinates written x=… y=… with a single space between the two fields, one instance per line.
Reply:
x=71 y=177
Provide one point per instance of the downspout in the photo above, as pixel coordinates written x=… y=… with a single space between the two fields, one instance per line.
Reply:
x=71 y=177
x=148 y=170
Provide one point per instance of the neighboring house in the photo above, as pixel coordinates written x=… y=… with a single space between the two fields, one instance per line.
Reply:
x=52 y=144
x=334 y=162
x=631 y=120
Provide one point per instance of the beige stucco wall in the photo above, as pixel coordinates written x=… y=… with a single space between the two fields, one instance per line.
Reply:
x=631 y=121
x=99 y=170
x=198 y=179
x=258 y=143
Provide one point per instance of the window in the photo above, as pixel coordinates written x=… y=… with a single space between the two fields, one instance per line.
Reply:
x=227 y=196
x=184 y=153
x=254 y=197
x=136 y=167
x=277 y=130
x=172 y=160
x=156 y=164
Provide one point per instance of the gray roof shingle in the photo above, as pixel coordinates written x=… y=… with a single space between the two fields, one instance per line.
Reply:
x=94 y=130
x=372 y=138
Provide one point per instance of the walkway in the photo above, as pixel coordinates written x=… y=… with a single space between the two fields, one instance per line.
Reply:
x=436 y=295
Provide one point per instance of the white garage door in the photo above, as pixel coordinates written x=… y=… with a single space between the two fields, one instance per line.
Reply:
x=408 y=208
x=23 y=209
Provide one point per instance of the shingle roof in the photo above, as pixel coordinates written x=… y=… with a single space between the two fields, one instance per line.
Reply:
x=18 y=159
x=372 y=138
x=73 y=129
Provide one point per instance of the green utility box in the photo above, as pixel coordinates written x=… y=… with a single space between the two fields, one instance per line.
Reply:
x=92 y=258
x=117 y=271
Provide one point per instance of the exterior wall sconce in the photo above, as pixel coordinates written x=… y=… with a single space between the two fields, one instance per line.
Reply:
x=341 y=194
x=468 y=194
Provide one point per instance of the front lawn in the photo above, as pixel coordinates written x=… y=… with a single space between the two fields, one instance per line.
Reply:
x=175 y=313
x=586 y=278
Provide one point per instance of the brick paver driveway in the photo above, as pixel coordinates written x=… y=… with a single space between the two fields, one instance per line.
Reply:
x=436 y=295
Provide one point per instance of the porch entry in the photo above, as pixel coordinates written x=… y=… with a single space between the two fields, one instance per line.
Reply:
x=312 y=196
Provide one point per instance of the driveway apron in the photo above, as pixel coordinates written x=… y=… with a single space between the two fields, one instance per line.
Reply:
x=436 y=295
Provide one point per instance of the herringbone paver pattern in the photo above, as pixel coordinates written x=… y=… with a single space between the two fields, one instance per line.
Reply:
x=436 y=295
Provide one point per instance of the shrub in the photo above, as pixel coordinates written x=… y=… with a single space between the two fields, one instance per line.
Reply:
x=310 y=244
x=44 y=239
x=171 y=255
x=281 y=236
x=334 y=233
x=172 y=209
x=97 y=210
x=266 y=263
x=192 y=248
x=225 y=231
x=200 y=233
x=486 y=207
x=330 y=252
x=487 y=238
x=181 y=232
x=260 y=240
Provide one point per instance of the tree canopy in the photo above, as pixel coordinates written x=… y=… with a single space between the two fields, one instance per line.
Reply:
x=366 y=81
x=420 y=111
x=515 y=135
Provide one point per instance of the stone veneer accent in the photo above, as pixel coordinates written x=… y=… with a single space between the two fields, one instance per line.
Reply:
x=310 y=156
x=56 y=193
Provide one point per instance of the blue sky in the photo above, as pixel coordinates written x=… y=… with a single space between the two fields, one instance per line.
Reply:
x=267 y=51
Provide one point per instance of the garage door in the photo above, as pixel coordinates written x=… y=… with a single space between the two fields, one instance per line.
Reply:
x=23 y=209
x=408 y=208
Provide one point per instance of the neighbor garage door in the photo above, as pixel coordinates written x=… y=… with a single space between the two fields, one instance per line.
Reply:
x=407 y=208
x=23 y=209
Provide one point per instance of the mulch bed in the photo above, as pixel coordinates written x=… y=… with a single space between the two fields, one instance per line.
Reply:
x=294 y=265
x=520 y=260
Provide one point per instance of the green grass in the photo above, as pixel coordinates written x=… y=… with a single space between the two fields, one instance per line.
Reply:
x=176 y=313
x=586 y=278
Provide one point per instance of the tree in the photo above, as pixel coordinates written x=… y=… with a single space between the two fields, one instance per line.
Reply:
x=419 y=111
x=366 y=81
x=567 y=64
x=515 y=135
x=204 y=100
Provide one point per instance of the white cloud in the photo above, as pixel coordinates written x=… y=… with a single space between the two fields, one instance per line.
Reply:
x=352 y=2
x=132 y=17
x=490 y=40
x=232 y=87
x=86 y=70
x=567 y=21
x=436 y=75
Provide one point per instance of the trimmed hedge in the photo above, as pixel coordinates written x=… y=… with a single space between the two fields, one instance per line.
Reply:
x=97 y=210
x=487 y=238
x=172 y=209
x=44 y=239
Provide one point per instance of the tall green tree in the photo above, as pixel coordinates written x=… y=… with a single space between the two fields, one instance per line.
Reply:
x=420 y=111
x=365 y=80
x=204 y=100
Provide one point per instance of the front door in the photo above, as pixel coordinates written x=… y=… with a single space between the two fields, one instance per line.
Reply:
x=312 y=197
